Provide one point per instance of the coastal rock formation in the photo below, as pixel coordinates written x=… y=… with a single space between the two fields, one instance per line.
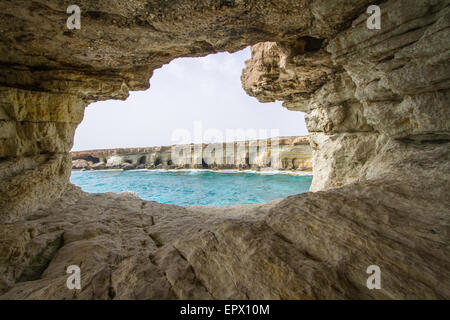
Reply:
x=365 y=92
x=286 y=153
x=376 y=104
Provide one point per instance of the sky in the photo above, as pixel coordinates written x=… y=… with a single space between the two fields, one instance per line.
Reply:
x=189 y=100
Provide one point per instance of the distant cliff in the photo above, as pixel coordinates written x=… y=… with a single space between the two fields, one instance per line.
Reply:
x=285 y=153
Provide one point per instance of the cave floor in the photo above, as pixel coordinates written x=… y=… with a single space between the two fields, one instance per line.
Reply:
x=309 y=246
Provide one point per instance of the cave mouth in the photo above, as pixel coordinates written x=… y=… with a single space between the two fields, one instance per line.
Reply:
x=88 y=158
x=158 y=162
x=142 y=160
x=208 y=90
x=210 y=99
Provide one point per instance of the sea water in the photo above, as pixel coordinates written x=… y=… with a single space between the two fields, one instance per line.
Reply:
x=195 y=187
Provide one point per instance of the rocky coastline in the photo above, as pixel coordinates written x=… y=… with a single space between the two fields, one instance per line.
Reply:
x=294 y=154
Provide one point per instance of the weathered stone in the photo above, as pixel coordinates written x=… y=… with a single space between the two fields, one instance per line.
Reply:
x=383 y=85
x=377 y=108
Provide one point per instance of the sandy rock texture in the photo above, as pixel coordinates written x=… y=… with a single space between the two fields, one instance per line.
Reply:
x=284 y=153
x=377 y=108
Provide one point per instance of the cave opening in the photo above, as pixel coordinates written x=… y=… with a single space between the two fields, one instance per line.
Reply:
x=88 y=158
x=204 y=164
x=158 y=161
x=204 y=99
x=142 y=160
x=185 y=91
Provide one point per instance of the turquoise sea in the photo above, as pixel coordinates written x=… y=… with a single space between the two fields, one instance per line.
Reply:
x=194 y=187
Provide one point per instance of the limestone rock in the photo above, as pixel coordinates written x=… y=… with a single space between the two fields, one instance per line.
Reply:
x=291 y=153
x=377 y=108
x=382 y=86
x=80 y=164
x=98 y=166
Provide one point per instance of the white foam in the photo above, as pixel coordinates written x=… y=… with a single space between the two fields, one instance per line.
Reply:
x=197 y=171
x=263 y=172
x=103 y=170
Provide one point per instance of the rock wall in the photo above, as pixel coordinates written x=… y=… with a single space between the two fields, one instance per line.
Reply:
x=370 y=96
x=36 y=135
x=286 y=153
x=377 y=110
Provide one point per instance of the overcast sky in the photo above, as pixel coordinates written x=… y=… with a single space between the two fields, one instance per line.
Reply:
x=182 y=93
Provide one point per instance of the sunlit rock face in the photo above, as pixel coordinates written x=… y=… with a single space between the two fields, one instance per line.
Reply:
x=377 y=110
x=365 y=92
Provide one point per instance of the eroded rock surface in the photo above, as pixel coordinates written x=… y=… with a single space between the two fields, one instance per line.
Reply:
x=365 y=92
x=377 y=104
